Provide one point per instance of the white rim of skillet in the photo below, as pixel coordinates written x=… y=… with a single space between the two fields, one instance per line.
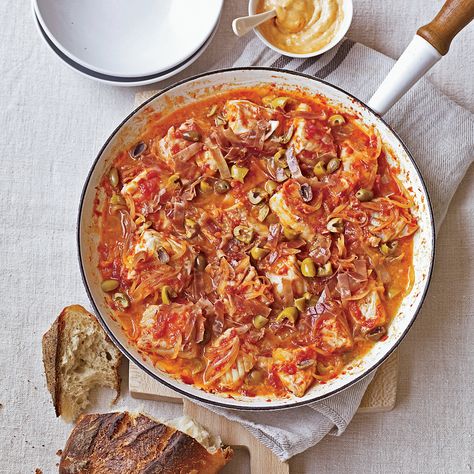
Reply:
x=202 y=397
x=112 y=74
x=117 y=80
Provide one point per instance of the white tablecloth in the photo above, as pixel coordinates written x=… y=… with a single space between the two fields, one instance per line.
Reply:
x=52 y=124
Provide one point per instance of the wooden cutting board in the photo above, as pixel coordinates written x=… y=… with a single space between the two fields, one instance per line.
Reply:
x=379 y=397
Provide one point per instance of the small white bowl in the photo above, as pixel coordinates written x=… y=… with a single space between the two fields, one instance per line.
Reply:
x=128 y=38
x=347 y=8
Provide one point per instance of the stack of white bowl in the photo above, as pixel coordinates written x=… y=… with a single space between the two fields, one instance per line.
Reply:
x=124 y=42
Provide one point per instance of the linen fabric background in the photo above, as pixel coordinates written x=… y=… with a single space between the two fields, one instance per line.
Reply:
x=53 y=122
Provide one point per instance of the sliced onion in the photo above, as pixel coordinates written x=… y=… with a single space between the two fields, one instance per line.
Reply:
x=274 y=233
x=177 y=214
x=235 y=154
x=320 y=249
x=382 y=273
x=197 y=286
x=344 y=286
x=287 y=293
x=187 y=153
x=327 y=139
x=360 y=267
x=287 y=136
x=273 y=126
x=230 y=136
x=293 y=163
x=221 y=359
x=255 y=138
x=200 y=329
x=221 y=164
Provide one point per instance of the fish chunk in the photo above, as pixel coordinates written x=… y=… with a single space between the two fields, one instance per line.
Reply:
x=243 y=115
x=295 y=379
x=312 y=136
x=234 y=377
x=369 y=311
x=286 y=205
x=333 y=335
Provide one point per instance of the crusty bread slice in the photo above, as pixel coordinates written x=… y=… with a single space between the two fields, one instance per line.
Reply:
x=119 y=443
x=78 y=356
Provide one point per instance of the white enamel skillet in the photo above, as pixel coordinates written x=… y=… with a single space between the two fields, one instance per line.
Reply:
x=431 y=42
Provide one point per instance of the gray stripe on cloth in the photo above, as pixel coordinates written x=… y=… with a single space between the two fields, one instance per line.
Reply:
x=281 y=62
x=341 y=54
x=306 y=64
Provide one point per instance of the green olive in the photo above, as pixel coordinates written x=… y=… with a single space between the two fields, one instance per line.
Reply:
x=392 y=292
x=364 y=195
x=301 y=303
x=114 y=177
x=166 y=294
x=109 y=285
x=325 y=270
x=255 y=377
x=308 y=268
x=258 y=253
x=197 y=366
x=201 y=262
x=256 y=195
x=335 y=225
x=313 y=300
x=243 y=233
x=260 y=321
x=270 y=187
x=221 y=186
x=219 y=120
x=289 y=233
x=280 y=158
x=263 y=212
x=335 y=120
x=205 y=187
x=319 y=169
x=192 y=136
x=121 y=300
x=174 y=180
x=116 y=199
x=212 y=110
x=333 y=165
x=290 y=313
x=192 y=228
x=279 y=102
x=388 y=248
x=238 y=172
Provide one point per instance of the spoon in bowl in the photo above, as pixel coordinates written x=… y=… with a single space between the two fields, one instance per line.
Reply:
x=244 y=24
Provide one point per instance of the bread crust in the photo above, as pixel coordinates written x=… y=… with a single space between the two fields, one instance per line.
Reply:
x=114 y=443
x=51 y=356
x=52 y=346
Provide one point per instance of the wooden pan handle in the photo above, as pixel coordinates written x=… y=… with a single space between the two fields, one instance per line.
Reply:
x=451 y=19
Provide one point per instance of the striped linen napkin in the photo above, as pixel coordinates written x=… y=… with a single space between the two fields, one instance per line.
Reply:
x=440 y=135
